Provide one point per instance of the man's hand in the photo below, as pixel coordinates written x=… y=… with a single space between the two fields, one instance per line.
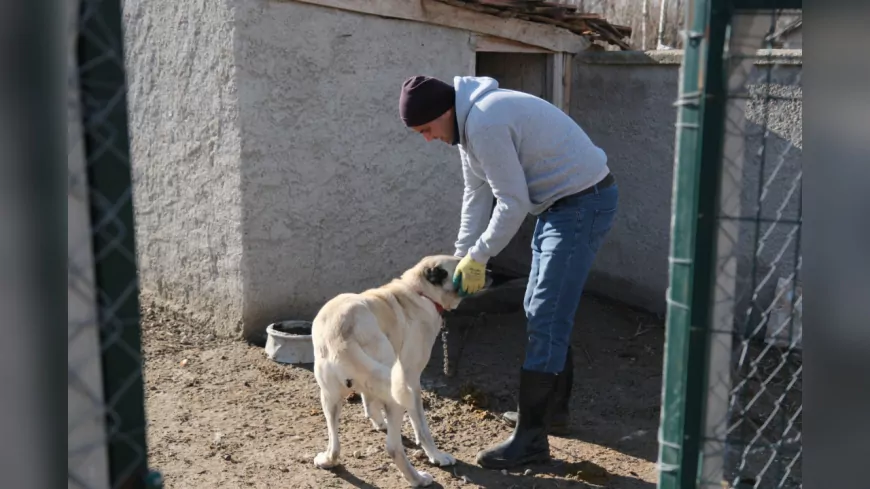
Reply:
x=469 y=276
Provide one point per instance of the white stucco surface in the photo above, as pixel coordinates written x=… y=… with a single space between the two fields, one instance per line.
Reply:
x=272 y=171
x=337 y=194
x=185 y=151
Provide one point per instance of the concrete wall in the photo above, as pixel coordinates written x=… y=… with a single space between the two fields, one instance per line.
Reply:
x=272 y=172
x=625 y=102
x=793 y=39
x=185 y=150
x=337 y=195
x=767 y=245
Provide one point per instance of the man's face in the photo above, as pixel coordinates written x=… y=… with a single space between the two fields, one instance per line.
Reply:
x=440 y=129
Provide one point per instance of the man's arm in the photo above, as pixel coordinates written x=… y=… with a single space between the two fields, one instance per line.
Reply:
x=495 y=150
x=476 y=204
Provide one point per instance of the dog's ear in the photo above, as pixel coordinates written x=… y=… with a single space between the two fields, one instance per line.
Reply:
x=435 y=275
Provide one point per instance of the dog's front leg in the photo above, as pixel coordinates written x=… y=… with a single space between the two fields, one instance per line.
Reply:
x=423 y=435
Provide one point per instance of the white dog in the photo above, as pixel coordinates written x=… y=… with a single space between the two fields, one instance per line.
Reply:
x=377 y=343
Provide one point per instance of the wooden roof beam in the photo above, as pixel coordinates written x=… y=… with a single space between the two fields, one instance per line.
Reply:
x=434 y=12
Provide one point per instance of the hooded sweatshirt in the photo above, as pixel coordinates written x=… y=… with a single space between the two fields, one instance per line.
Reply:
x=523 y=151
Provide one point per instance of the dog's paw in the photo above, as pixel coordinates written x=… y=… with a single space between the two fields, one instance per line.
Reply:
x=442 y=459
x=424 y=479
x=382 y=426
x=324 y=461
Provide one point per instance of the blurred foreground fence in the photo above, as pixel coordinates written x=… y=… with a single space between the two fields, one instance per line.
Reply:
x=731 y=409
x=106 y=418
x=732 y=400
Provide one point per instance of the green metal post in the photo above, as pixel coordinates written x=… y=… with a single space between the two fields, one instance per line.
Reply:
x=700 y=127
x=103 y=89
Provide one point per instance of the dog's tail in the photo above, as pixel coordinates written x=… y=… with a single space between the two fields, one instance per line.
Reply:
x=340 y=329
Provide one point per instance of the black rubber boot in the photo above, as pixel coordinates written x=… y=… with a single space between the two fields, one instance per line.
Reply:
x=528 y=443
x=559 y=422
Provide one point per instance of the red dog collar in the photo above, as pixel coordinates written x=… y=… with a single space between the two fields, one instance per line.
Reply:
x=438 y=307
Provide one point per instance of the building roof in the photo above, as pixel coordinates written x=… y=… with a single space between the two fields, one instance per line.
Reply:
x=592 y=26
x=784 y=29
x=789 y=28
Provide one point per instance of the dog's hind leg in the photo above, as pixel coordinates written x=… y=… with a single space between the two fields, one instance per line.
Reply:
x=331 y=410
x=397 y=452
x=374 y=411
x=423 y=435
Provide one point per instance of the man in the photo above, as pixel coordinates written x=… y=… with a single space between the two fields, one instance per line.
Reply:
x=533 y=158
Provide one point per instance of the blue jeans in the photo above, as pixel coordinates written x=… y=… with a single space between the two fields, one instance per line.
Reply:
x=567 y=237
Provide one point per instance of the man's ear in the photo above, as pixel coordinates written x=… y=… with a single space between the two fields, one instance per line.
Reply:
x=435 y=275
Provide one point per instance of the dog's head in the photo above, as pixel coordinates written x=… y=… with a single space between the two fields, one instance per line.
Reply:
x=433 y=276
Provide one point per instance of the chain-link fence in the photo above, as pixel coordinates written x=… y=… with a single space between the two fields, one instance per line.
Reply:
x=731 y=412
x=106 y=419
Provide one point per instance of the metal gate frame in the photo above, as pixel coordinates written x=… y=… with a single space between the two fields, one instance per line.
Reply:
x=102 y=96
x=700 y=129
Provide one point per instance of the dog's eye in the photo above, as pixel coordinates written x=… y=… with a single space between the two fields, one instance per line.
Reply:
x=435 y=275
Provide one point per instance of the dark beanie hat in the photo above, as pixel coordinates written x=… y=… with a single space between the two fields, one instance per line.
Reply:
x=424 y=99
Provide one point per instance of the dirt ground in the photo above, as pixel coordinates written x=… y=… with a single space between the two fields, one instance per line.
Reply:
x=221 y=414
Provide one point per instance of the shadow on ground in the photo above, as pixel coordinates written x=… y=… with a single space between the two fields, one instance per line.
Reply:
x=221 y=414
x=614 y=407
x=617 y=358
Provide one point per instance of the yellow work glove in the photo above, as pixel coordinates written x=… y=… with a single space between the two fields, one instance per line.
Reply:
x=469 y=276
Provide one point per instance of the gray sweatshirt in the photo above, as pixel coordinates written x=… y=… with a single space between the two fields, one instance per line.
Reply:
x=523 y=151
